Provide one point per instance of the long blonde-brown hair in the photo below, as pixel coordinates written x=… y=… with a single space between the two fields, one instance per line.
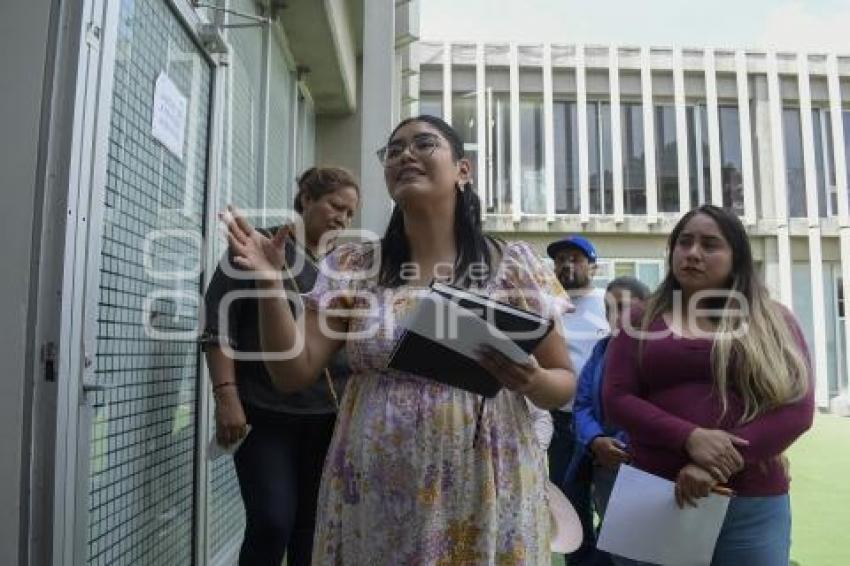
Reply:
x=757 y=356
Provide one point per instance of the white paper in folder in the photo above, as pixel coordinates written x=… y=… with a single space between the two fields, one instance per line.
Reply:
x=644 y=523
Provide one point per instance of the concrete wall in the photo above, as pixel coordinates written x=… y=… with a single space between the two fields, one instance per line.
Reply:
x=338 y=137
x=24 y=41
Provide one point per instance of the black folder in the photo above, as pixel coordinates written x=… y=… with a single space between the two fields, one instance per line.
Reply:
x=437 y=358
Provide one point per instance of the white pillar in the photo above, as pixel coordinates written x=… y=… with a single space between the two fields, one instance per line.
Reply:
x=818 y=317
x=447 y=82
x=713 y=128
x=377 y=109
x=804 y=89
x=481 y=126
x=616 y=133
x=844 y=236
x=548 y=133
x=648 y=136
x=516 y=156
x=681 y=131
x=815 y=255
x=583 y=149
x=841 y=182
x=742 y=79
x=783 y=240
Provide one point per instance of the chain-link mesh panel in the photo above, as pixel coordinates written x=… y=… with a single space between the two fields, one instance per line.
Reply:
x=280 y=180
x=143 y=431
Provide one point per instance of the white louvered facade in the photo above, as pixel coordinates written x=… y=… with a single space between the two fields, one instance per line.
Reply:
x=616 y=142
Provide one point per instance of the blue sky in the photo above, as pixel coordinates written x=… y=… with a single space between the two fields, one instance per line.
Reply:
x=812 y=25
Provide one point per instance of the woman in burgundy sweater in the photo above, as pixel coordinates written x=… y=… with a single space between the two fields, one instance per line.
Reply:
x=712 y=383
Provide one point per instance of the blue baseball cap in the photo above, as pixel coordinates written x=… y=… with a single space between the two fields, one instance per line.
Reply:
x=573 y=241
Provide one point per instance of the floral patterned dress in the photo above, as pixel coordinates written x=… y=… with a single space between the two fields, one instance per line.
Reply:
x=403 y=481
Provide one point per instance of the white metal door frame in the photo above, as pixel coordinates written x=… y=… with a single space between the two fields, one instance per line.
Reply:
x=89 y=120
x=93 y=89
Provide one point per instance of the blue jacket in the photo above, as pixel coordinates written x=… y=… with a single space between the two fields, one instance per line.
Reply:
x=589 y=420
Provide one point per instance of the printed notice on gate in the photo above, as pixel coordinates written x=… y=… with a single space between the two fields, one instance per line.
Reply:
x=169 y=115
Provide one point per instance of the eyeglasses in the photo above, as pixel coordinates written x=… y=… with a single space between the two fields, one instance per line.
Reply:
x=421 y=146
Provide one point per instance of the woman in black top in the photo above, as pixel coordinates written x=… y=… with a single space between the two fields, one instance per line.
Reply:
x=279 y=464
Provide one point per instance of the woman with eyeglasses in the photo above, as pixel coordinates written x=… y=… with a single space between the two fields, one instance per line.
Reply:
x=406 y=481
x=713 y=383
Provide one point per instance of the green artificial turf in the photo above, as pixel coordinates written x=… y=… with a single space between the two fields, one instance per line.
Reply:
x=820 y=494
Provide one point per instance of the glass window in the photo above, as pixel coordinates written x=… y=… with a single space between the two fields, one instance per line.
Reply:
x=531 y=154
x=824 y=163
x=431 y=104
x=600 y=157
x=464 y=117
x=634 y=165
x=666 y=158
x=698 y=155
x=648 y=271
x=794 y=167
x=624 y=268
x=498 y=152
x=566 y=158
x=731 y=161
x=650 y=274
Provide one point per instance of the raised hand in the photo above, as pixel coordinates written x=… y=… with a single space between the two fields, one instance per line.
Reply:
x=251 y=249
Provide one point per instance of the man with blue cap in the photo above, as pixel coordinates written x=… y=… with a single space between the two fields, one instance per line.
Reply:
x=575 y=265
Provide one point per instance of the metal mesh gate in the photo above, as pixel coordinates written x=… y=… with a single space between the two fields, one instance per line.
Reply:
x=141 y=477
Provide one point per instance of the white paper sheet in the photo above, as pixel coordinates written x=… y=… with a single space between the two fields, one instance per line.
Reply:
x=463 y=331
x=168 y=123
x=216 y=450
x=644 y=523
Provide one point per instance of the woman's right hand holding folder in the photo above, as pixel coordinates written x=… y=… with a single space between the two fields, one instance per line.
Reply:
x=694 y=482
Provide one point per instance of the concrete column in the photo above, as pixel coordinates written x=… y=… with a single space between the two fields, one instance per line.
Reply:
x=616 y=131
x=27 y=71
x=742 y=80
x=813 y=217
x=681 y=132
x=713 y=128
x=378 y=109
x=548 y=133
x=583 y=149
x=648 y=137
x=481 y=125
x=779 y=182
x=841 y=182
x=447 y=82
x=516 y=155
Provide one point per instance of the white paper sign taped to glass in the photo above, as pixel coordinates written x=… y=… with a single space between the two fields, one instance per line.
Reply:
x=168 y=124
x=644 y=523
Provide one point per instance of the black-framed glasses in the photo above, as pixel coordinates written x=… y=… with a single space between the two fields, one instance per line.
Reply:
x=421 y=146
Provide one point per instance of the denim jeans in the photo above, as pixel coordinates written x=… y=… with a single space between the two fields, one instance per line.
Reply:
x=756 y=532
x=279 y=467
